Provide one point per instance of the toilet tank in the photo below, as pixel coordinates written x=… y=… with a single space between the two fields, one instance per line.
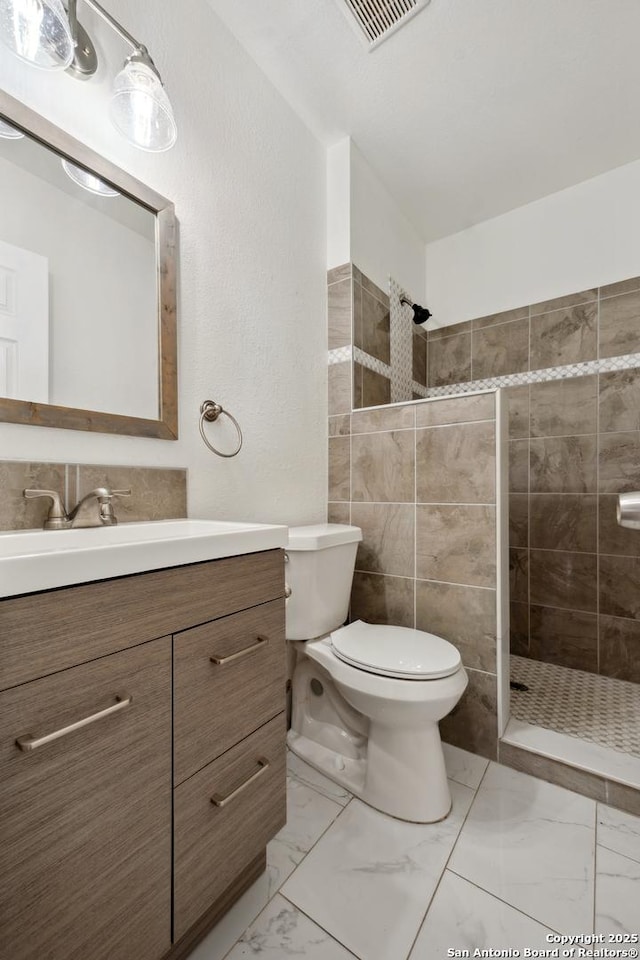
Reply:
x=319 y=571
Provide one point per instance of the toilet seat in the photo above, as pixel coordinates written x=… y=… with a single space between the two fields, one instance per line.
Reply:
x=398 y=652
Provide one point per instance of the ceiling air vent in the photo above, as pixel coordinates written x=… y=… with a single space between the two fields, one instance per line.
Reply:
x=378 y=19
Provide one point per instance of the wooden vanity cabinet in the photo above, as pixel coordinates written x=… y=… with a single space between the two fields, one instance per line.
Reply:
x=128 y=836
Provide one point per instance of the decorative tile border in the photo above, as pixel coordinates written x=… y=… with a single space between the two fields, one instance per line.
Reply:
x=401 y=323
x=340 y=355
x=538 y=376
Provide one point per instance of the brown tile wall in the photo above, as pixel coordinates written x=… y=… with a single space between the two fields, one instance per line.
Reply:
x=156 y=494
x=427 y=559
x=575 y=574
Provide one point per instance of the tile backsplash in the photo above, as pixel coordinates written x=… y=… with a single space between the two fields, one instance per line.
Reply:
x=156 y=493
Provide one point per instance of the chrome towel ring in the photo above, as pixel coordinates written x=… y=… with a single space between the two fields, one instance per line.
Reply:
x=210 y=411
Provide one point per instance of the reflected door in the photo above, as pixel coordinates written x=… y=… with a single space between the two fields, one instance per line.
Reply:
x=24 y=324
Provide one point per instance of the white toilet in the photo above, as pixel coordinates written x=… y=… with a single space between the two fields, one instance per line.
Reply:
x=366 y=698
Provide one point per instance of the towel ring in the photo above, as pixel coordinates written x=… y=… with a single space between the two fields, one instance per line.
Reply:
x=210 y=411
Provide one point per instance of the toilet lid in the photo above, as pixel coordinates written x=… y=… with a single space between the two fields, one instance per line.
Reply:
x=395 y=651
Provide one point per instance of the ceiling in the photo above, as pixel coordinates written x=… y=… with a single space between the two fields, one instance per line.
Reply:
x=474 y=107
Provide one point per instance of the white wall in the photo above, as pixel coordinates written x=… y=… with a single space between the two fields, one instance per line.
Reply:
x=248 y=181
x=585 y=236
x=383 y=242
x=364 y=224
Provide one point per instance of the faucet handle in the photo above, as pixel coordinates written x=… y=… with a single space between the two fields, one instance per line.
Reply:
x=121 y=493
x=57 y=518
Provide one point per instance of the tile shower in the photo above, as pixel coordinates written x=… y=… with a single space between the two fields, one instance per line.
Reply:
x=571 y=370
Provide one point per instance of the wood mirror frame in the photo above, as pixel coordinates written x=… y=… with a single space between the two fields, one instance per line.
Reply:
x=71 y=418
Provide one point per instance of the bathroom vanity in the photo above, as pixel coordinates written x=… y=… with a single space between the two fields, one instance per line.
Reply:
x=143 y=754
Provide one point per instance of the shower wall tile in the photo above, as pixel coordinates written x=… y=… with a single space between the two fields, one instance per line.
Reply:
x=370 y=287
x=456 y=544
x=564 y=407
x=16 y=513
x=519 y=629
x=564 y=522
x=620 y=587
x=519 y=574
x=456 y=410
x=505 y=317
x=519 y=466
x=565 y=302
x=564 y=465
x=339 y=468
x=471 y=447
x=376 y=388
x=339 y=375
x=391 y=418
x=619 y=462
x=381 y=599
x=620 y=325
x=473 y=723
x=450 y=360
x=612 y=538
x=499 y=350
x=620 y=401
x=623 y=286
x=620 y=648
x=343 y=272
x=375 y=327
x=518 y=520
x=388 y=531
x=518 y=402
x=339 y=307
x=562 y=579
x=383 y=466
x=453 y=329
x=340 y=426
x=571 y=778
x=465 y=616
x=338 y=512
x=566 y=637
x=564 y=336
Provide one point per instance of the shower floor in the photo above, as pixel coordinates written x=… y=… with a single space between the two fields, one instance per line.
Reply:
x=584 y=705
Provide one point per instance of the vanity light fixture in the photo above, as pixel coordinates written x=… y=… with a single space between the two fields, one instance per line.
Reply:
x=45 y=34
x=88 y=181
x=7 y=132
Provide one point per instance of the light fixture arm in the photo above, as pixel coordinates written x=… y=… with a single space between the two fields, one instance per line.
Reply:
x=140 y=52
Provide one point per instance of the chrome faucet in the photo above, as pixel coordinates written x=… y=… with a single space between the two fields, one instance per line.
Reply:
x=84 y=513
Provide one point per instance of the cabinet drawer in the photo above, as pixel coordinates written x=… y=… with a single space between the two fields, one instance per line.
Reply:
x=45 y=632
x=216 y=704
x=86 y=817
x=213 y=844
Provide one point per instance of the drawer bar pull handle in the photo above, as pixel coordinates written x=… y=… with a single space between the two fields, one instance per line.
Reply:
x=218 y=801
x=220 y=661
x=30 y=742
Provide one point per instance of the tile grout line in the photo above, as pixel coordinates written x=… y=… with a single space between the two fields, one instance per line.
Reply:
x=444 y=869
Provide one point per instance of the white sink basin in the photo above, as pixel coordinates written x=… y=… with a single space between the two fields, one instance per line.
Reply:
x=41 y=559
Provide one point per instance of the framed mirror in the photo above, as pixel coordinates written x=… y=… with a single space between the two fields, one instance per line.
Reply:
x=88 y=337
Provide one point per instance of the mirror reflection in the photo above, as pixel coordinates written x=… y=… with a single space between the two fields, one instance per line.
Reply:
x=78 y=286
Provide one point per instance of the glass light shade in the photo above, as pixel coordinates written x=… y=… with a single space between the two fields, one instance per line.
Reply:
x=7 y=132
x=88 y=181
x=141 y=110
x=38 y=32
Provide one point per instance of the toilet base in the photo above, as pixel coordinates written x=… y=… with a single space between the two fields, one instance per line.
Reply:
x=372 y=781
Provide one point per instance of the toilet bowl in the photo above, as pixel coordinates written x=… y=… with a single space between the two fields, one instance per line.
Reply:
x=366 y=699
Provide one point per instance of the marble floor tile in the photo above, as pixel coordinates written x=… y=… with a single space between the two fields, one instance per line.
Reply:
x=617 y=893
x=226 y=933
x=531 y=844
x=282 y=931
x=464 y=767
x=297 y=769
x=463 y=917
x=619 y=831
x=369 y=879
x=309 y=814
